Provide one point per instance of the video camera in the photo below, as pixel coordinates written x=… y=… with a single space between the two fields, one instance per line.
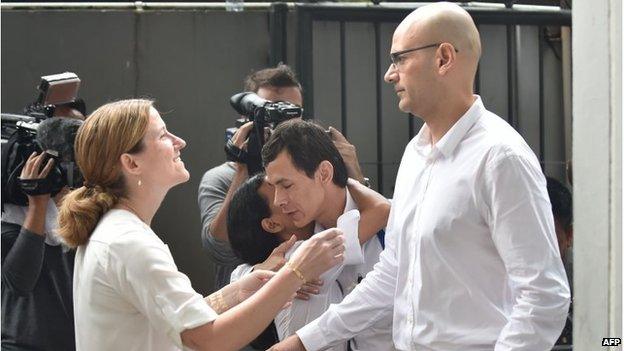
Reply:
x=39 y=131
x=262 y=113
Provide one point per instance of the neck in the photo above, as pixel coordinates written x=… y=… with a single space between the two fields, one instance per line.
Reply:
x=301 y=233
x=336 y=199
x=446 y=115
x=143 y=202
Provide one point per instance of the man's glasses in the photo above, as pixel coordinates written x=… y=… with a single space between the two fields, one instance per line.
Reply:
x=396 y=57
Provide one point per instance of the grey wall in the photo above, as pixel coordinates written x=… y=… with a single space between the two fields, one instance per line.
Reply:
x=191 y=61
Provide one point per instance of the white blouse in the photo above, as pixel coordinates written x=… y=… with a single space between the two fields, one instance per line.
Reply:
x=128 y=292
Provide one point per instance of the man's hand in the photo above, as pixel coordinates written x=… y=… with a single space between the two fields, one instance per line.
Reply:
x=32 y=170
x=348 y=153
x=239 y=139
x=292 y=343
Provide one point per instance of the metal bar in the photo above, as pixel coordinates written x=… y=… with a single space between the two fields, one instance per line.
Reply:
x=343 y=80
x=304 y=57
x=137 y=5
x=378 y=73
x=542 y=141
x=481 y=15
x=512 y=76
x=278 y=33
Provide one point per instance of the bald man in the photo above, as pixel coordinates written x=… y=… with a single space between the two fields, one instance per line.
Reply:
x=471 y=259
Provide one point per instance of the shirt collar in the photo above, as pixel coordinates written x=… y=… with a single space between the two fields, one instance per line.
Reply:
x=451 y=139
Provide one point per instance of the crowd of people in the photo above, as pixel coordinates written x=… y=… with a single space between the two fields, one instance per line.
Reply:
x=467 y=255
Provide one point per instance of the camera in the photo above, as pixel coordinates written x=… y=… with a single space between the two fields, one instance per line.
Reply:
x=38 y=131
x=262 y=113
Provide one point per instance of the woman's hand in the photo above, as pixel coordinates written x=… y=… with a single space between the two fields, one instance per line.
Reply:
x=251 y=283
x=318 y=254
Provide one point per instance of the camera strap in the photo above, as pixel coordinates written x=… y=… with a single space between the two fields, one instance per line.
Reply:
x=234 y=153
x=35 y=187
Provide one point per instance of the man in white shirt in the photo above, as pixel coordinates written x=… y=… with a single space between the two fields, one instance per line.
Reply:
x=471 y=259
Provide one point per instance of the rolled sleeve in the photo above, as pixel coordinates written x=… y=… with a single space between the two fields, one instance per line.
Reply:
x=522 y=228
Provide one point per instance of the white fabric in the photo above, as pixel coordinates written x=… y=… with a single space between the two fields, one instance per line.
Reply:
x=128 y=292
x=471 y=259
x=17 y=215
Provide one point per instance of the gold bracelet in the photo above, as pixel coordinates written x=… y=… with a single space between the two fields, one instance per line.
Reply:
x=296 y=271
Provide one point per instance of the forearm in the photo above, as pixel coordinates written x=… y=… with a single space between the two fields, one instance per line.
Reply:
x=218 y=226
x=238 y=325
x=374 y=210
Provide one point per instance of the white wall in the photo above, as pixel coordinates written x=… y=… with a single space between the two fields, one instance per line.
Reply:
x=597 y=161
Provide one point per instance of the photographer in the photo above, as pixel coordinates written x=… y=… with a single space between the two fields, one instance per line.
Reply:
x=219 y=184
x=37 y=270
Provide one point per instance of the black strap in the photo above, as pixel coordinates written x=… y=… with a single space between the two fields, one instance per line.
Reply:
x=234 y=153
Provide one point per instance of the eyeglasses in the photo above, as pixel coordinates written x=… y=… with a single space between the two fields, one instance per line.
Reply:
x=396 y=57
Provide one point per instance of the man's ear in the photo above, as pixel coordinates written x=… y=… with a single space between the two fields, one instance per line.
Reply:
x=129 y=165
x=445 y=58
x=325 y=172
x=271 y=225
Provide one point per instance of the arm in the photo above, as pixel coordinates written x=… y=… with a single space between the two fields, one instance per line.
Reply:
x=210 y=199
x=374 y=210
x=23 y=260
x=522 y=227
x=238 y=325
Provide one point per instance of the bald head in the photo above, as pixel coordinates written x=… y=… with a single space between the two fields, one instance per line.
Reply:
x=443 y=22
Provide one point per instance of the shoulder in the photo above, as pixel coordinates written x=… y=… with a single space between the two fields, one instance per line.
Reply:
x=222 y=173
x=499 y=141
x=122 y=231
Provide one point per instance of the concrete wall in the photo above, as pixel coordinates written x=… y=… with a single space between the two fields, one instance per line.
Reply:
x=191 y=61
x=597 y=148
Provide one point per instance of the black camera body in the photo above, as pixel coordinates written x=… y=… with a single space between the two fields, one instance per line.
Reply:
x=262 y=113
x=38 y=131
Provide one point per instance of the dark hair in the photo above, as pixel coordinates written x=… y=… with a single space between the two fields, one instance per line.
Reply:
x=281 y=76
x=249 y=241
x=308 y=145
x=561 y=201
x=78 y=105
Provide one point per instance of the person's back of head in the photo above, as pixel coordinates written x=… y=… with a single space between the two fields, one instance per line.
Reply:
x=308 y=145
x=110 y=131
x=281 y=76
x=561 y=201
x=250 y=242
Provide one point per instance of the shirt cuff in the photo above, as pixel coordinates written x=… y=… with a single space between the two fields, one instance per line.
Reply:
x=311 y=337
x=191 y=315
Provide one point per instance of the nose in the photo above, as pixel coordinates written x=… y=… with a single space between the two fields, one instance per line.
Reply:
x=178 y=142
x=280 y=197
x=391 y=75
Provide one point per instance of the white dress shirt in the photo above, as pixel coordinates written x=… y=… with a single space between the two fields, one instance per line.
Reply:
x=471 y=259
x=128 y=292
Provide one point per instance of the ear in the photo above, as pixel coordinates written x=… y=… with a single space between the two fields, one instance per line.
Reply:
x=271 y=225
x=129 y=164
x=325 y=172
x=445 y=58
